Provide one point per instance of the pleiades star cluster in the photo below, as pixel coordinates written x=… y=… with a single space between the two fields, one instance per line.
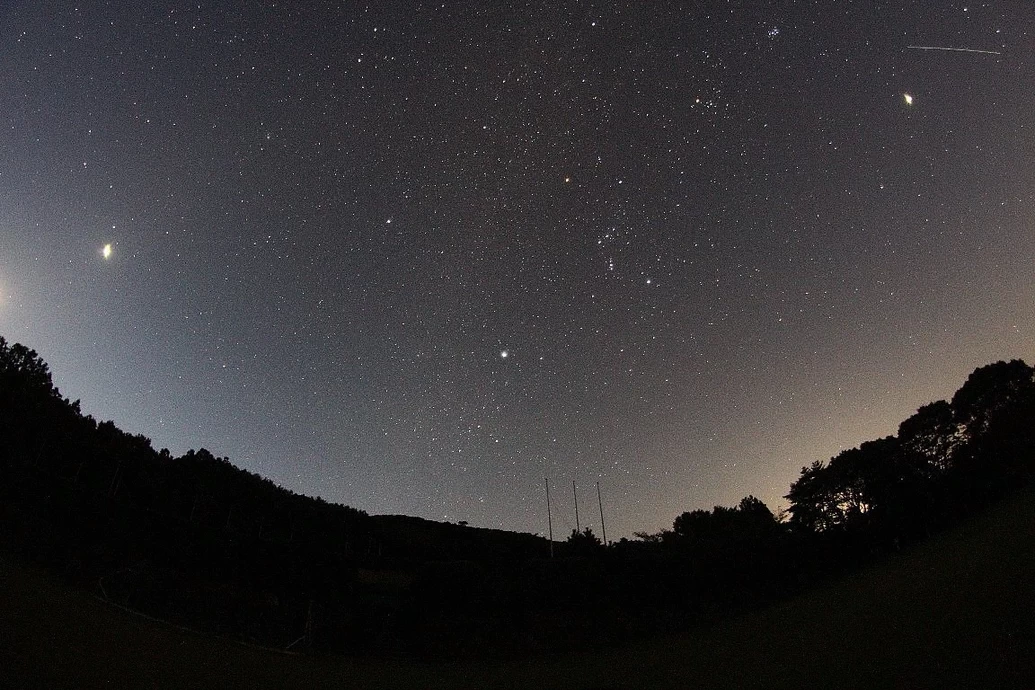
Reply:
x=417 y=257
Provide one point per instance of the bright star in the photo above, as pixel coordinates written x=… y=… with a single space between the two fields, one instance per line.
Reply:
x=504 y=354
x=909 y=98
x=106 y=252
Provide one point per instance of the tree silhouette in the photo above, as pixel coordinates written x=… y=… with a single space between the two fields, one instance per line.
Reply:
x=22 y=370
x=195 y=540
x=946 y=458
x=584 y=543
x=989 y=390
x=996 y=410
x=751 y=518
x=931 y=435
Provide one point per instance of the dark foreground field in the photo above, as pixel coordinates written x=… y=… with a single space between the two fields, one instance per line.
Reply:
x=959 y=611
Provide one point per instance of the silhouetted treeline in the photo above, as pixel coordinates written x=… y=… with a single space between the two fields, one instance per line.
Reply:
x=194 y=539
x=197 y=541
x=946 y=459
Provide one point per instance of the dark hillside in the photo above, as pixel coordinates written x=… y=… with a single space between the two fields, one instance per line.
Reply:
x=197 y=542
x=954 y=612
x=412 y=538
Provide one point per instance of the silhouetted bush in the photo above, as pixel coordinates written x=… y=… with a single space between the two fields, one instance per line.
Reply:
x=202 y=543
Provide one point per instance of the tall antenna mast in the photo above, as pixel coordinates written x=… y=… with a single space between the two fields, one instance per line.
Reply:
x=578 y=527
x=549 y=517
x=600 y=503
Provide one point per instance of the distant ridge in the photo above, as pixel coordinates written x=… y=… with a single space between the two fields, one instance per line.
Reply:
x=197 y=542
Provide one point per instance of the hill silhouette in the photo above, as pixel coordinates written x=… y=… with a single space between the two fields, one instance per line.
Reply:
x=197 y=542
x=955 y=612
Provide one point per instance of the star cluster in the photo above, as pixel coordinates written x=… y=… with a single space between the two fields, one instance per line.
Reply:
x=417 y=257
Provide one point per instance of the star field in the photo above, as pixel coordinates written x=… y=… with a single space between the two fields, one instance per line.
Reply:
x=415 y=258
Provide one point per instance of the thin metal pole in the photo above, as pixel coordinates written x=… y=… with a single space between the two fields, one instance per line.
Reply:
x=549 y=517
x=578 y=527
x=603 y=529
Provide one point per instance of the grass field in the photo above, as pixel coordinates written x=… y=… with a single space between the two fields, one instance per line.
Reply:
x=957 y=612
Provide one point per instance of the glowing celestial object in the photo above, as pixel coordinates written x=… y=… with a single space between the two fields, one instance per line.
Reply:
x=908 y=98
x=504 y=354
x=106 y=252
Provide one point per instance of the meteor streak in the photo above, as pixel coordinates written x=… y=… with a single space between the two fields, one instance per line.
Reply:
x=954 y=50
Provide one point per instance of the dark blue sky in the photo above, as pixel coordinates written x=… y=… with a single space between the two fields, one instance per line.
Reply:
x=713 y=239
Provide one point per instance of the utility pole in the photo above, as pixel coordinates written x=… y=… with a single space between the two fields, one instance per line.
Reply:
x=578 y=527
x=549 y=517
x=603 y=529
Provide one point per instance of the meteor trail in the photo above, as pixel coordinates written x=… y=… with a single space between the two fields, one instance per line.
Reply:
x=954 y=50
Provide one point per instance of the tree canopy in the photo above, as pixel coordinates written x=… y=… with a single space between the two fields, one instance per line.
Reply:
x=196 y=540
x=945 y=456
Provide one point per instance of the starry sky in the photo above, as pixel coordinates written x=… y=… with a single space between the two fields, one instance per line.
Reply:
x=416 y=257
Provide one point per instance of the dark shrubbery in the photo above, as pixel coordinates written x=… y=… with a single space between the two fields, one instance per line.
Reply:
x=199 y=542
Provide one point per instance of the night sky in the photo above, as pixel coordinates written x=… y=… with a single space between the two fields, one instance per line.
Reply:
x=416 y=257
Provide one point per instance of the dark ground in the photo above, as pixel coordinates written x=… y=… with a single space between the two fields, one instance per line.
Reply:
x=955 y=612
